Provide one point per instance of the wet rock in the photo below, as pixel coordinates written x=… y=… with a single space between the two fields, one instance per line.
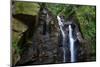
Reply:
x=17 y=29
x=46 y=45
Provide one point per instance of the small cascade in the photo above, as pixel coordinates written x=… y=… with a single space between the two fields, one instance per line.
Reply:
x=61 y=25
x=71 y=41
x=69 y=44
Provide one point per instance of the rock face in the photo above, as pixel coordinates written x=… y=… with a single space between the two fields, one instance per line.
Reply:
x=35 y=46
x=46 y=46
x=46 y=38
x=24 y=43
x=23 y=26
x=38 y=40
x=17 y=29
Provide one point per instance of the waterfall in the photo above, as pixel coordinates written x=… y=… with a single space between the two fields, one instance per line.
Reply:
x=71 y=40
x=63 y=35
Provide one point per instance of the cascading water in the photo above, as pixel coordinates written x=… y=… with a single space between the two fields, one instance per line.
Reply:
x=65 y=45
x=71 y=40
x=63 y=35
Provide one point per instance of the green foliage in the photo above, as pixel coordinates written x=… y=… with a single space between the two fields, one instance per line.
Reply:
x=86 y=16
x=27 y=8
x=87 y=19
x=56 y=8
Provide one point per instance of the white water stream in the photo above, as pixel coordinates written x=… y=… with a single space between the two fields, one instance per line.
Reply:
x=71 y=40
x=71 y=44
x=63 y=35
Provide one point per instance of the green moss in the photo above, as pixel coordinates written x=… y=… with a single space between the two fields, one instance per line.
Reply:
x=27 y=8
x=86 y=16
